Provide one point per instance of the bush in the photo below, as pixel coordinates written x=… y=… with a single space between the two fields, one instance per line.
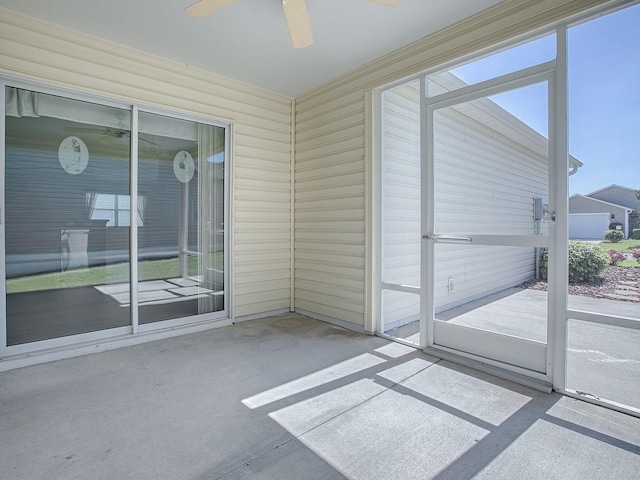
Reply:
x=636 y=254
x=613 y=236
x=616 y=256
x=635 y=234
x=586 y=262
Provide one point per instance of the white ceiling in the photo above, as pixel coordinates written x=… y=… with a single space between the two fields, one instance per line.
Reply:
x=248 y=40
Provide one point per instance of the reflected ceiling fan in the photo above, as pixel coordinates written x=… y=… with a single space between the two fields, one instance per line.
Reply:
x=295 y=13
x=109 y=134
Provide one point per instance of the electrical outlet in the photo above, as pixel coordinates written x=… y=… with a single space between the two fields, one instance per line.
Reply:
x=450 y=285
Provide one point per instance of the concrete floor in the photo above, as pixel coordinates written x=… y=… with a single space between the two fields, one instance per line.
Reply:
x=602 y=361
x=293 y=398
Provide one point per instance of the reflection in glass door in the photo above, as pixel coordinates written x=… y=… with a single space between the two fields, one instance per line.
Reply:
x=488 y=182
x=181 y=192
x=74 y=217
x=66 y=174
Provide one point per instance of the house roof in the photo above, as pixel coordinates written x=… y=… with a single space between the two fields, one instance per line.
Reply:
x=613 y=185
x=591 y=199
x=248 y=40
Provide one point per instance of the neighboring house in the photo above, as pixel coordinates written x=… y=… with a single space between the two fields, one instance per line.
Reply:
x=624 y=196
x=586 y=220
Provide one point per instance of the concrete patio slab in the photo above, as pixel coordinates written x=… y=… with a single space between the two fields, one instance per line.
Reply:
x=288 y=397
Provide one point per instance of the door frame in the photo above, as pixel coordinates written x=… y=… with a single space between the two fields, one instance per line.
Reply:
x=521 y=355
x=558 y=308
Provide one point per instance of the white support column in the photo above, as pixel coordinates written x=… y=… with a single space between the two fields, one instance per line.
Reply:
x=558 y=201
x=427 y=219
x=372 y=169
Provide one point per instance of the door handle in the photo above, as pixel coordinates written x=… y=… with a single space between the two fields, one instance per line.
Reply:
x=447 y=238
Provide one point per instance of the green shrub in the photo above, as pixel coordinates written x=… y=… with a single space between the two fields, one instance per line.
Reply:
x=636 y=234
x=586 y=262
x=614 y=236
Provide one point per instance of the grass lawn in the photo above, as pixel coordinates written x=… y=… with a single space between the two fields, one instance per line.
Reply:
x=624 y=246
x=118 y=273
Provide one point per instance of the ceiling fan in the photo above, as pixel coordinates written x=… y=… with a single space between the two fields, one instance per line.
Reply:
x=295 y=13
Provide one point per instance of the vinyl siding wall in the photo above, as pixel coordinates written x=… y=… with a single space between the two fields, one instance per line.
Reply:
x=401 y=212
x=335 y=176
x=58 y=57
x=329 y=208
x=485 y=184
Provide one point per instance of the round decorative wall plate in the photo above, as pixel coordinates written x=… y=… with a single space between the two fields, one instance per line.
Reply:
x=73 y=155
x=183 y=166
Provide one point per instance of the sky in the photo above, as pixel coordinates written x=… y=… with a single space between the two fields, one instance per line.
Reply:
x=603 y=96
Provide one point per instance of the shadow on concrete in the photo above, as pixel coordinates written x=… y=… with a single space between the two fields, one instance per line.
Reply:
x=288 y=397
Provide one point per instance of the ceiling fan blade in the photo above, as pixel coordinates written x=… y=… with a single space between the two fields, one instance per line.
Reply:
x=202 y=8
x=388 y=3
x=295 y=12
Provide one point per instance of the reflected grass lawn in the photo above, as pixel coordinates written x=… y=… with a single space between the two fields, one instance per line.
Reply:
x=101 y=275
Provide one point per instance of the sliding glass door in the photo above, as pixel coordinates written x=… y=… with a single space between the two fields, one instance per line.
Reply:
x=85 y=213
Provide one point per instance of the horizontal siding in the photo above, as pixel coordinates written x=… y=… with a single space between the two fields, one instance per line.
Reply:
x=329 y=210
x=478 y=271
x=485 y=183
x=261 y=259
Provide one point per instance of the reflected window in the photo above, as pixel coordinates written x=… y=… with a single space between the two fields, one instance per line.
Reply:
x=115 y=209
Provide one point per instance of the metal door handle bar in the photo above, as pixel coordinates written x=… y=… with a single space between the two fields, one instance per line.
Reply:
x=446 y=238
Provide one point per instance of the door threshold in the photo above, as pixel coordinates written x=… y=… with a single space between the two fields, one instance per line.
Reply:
x=535 y=380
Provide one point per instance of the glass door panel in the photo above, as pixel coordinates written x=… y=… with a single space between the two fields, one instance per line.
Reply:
x=490 y=185
x=181 y=218
x=66 y=235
